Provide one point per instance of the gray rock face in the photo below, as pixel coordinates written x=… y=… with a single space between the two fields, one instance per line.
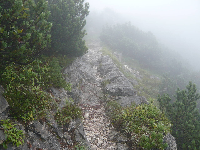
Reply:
x=170 y=140
x=3 y=102
x=40 y=135
x=116 y=85
x=120 y=87
x=2 y=136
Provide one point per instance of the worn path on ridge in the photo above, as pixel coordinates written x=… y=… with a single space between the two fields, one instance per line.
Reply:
x=86 y=84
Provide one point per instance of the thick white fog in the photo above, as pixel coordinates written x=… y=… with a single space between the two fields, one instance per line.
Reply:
x=175 y=23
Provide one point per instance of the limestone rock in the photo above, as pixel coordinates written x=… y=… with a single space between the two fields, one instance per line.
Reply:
x=116 y=85
x=170 y=140
x=3 y=102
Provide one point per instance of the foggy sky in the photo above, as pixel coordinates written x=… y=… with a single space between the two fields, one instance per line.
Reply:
x=175 y=23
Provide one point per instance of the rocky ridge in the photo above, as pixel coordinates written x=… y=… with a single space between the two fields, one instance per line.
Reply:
x=95 y=79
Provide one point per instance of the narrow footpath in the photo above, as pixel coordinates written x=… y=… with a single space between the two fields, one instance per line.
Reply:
x=86 y=88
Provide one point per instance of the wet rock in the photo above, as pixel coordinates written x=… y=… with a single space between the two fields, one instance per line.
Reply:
x=79 y=132
x=84 y=77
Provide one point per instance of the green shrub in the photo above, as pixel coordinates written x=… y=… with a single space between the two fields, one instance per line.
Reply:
x=68 y=18
x=144 y=124
x=25 y=30
x=12 y=134
x=67 y=113
x=26 y=85
x=28 y=103
x=64 y=60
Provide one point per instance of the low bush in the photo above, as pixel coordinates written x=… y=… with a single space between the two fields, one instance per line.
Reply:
x=144 y=125
x=26 y=87
x=67 y=113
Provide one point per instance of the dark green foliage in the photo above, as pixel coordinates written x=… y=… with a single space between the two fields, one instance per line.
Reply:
x=24 y=91
x=24 y=30
x=184 y=117
x=24 y=36
x=53 y=76
x=65 y=61
x=144 y=124
x=68 y=18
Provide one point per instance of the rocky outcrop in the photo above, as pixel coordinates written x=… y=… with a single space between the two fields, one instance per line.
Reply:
x=94 y=79
x=116 y=86
x=87 y=92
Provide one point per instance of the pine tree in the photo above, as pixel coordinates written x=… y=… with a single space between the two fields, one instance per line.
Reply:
x=184 y=117
x=24 y=30
x=68 y=18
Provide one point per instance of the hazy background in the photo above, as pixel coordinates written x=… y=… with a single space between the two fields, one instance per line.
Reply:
x=175 y=23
